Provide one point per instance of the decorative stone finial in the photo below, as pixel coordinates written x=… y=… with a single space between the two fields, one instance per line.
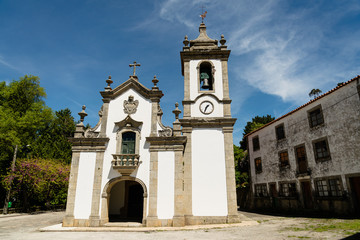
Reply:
x=82 y=115
x=186 y=41
x=155 y=81
x=222 y=40
x=109 y=82
x=177 y=111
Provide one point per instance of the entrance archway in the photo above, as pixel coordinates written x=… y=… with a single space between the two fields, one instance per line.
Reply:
x=126 y=202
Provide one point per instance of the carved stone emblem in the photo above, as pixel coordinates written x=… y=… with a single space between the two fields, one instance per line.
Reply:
x=130 y=106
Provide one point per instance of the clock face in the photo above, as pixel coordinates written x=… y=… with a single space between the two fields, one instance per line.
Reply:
x=206 y=107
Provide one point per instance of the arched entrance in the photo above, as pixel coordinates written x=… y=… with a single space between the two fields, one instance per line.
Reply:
x=126 y=202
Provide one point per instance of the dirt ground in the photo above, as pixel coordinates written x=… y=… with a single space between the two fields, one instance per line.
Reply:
x=26 y=226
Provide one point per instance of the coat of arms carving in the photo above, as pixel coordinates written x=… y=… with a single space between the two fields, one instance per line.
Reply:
x=130 y=106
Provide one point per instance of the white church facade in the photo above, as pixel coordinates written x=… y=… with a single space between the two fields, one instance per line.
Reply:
x=130 y=167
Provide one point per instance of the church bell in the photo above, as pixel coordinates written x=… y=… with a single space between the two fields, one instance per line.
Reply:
x=206 y=83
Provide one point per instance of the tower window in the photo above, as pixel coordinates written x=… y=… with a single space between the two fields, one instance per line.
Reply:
x=128 y=143
x=206 y=77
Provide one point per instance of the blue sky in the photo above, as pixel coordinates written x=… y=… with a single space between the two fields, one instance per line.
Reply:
x=280 y=49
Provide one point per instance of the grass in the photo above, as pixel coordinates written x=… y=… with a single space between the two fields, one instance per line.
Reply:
x=347 y=227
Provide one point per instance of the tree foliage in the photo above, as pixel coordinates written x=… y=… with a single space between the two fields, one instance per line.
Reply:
x=241 y=167
x=52 y=142
x=315 y=93
x=38 y=182
x=40 y=134
x=23 y=114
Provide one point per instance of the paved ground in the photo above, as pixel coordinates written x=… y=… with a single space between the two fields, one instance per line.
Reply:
x=25 y=226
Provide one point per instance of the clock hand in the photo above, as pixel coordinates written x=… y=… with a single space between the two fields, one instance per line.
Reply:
x=206 y=107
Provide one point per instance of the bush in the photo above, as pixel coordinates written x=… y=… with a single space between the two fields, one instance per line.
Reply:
x=38 y=182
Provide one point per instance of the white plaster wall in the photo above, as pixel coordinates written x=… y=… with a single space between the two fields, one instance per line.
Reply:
x=84 y=186
x=116 y=114
x=208 y=173
x=166 y=175
x=341 y=127
x=194 y=90
x=218 y=107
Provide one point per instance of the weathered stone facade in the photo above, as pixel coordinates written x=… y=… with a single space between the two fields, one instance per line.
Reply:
x=130 y=167
x=310 y=158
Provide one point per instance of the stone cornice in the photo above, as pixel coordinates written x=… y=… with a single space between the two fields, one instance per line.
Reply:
x=95 y=143
x=207 y=122
x=167 y=143
x=134 y=84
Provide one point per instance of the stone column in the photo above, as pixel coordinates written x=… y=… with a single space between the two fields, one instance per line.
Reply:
x=152 y=219
x=226 y=97
x=186 y=105
x=94 y=218
x=154 y=111
x=179 y=219
x=68 y=220
x=104 y=117
x=187 y=175
x=230 y=176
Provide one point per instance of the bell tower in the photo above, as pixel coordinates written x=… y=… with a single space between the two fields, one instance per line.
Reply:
x=209 y=175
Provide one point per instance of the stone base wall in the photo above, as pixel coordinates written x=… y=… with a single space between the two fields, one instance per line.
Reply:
x=340 y=206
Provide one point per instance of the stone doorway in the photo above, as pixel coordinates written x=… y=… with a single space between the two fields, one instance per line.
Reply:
x=126 y=202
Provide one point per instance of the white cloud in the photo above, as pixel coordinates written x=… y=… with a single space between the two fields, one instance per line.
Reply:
x=281 y=49
x=7 y=64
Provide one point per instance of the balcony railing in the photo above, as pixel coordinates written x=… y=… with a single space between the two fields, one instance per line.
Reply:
x=125 y=163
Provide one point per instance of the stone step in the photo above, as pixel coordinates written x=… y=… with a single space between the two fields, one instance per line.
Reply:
x=123 y=224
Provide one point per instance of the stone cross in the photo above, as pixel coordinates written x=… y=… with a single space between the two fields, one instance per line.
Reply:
x=134 y=65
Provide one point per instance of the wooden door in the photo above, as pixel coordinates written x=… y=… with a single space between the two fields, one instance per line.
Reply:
x=307 y=196
x=355 y=190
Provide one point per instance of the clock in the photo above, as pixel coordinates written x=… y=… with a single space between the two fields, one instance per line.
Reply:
x=206 y=107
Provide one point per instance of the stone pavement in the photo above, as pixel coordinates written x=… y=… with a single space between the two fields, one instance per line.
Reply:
x=45 y=226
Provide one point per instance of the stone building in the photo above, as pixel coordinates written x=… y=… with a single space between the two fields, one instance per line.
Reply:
x=309 y=158
x=130 y=167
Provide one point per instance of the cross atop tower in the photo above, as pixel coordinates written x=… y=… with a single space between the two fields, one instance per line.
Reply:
x=134 y=65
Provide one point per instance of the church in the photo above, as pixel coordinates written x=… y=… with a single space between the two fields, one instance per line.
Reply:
x=132 y=168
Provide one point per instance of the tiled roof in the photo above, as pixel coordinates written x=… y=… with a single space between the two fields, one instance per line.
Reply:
x=297 y=109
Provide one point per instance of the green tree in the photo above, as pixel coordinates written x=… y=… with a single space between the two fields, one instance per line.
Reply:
x=23 y=114
x=315 y=93
x=52 y=142
x=38 y=182
x=241 y=167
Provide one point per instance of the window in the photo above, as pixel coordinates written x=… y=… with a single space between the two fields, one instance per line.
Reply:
x=335 y=187
x=258 y=166
x=321 y=150
x=206 y=77
x=288 y=190
x=328 y=187
x=256 y=143
x=322 y=188
x=301 y=159
x=316 y=117
x=284 y=159
x=280 y=132
x=128 y=143
x=261 y=190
